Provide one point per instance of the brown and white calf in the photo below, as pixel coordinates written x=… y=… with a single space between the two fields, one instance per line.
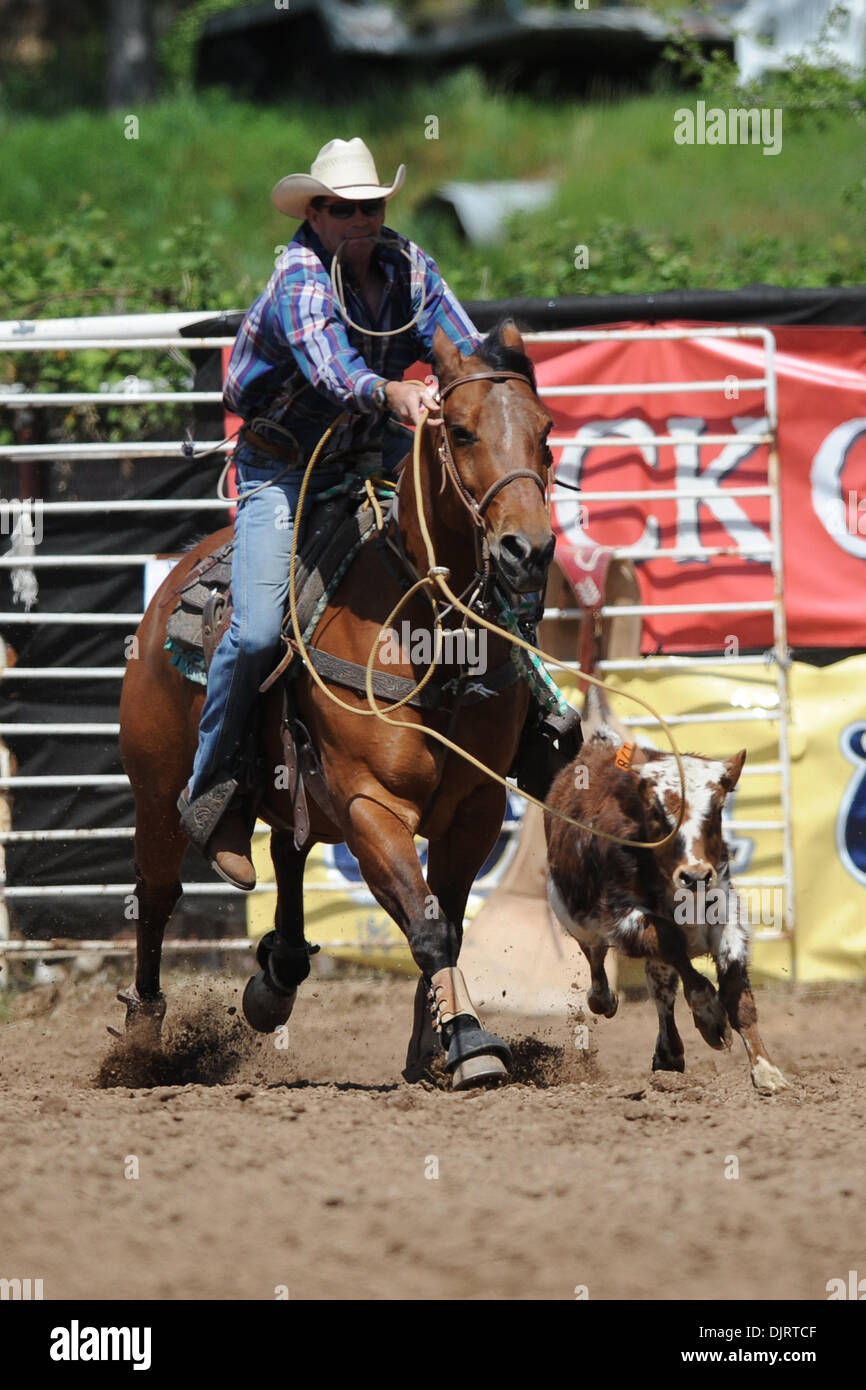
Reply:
x=654 y=903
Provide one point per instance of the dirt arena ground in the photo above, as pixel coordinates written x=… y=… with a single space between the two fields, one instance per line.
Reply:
x=307 y=1168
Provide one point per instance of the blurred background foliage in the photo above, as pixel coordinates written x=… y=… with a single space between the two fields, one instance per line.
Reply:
x=93 y=222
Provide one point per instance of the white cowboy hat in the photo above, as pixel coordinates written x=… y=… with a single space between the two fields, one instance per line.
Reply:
x=344 y=168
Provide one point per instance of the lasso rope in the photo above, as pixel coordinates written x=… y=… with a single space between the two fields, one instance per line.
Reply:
x=436 y=576
x=340 y=297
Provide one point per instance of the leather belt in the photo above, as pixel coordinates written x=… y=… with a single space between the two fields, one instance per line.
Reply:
x=286 y=453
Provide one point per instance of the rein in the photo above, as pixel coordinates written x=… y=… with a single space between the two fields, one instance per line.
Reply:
x=437 y=577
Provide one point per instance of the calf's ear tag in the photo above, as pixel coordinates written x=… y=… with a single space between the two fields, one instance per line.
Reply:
x=624 y=755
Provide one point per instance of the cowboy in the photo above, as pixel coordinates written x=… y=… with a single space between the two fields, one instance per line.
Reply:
x=296 y=365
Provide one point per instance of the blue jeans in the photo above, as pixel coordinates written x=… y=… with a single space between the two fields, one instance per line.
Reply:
x=249 y=649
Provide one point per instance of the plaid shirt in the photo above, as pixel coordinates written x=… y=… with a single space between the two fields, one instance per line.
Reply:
x=296 y=362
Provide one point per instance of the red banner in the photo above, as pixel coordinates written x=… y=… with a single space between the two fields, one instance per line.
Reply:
x=821 y=374
x=821 y=377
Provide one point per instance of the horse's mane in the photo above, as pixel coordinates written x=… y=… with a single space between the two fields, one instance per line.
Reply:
x=495 y=353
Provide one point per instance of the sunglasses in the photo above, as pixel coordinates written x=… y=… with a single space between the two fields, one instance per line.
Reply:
x=343 y=211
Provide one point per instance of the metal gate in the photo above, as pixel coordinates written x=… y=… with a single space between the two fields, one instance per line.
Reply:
x=161 y=333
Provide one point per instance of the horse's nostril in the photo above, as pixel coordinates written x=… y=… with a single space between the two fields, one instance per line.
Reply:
x=520 y=550
x=516 y=547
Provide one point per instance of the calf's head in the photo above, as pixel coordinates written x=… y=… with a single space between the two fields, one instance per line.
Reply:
x=697 y=856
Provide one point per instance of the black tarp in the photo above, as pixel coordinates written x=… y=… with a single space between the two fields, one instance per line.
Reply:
x=114 y=589
x=761 y=304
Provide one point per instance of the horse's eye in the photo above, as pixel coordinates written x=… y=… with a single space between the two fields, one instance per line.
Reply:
x=463 y=437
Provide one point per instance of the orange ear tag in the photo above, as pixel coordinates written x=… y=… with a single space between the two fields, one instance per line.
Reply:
x=624 y=755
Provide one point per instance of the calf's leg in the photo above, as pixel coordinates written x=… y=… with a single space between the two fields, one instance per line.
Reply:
x=661 y=982
x=638 y=934
x=600 y=997
x=735 y=991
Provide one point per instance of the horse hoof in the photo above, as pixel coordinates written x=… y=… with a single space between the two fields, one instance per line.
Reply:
x=478 y=1071
x=473 y=1056
x=265 y=1009
x=144 y=1017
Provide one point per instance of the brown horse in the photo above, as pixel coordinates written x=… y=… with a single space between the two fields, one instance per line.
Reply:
x=386 y=785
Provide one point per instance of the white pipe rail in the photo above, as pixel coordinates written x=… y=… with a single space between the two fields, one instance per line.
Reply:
x=628 y=610
x=19 y=399
x=73 y=779
x=169 y=504
x=53 y=673
x=73 y=619
x=170 y=448
x=76 y=561
x=68 y=344
x=673 y=663
x=619 y=441
x=660 y=494
x=23 y=730
x=654 y=388
x=124 y=326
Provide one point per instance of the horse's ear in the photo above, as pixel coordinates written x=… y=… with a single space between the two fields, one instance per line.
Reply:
x=510 y=335
x=447 y=361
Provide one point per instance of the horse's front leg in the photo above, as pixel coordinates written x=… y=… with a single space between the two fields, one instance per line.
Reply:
x=283 y=954
x=453 y=861
x=729 y=948
x=432 y=920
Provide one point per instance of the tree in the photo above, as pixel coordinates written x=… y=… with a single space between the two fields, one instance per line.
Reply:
x=130 y=67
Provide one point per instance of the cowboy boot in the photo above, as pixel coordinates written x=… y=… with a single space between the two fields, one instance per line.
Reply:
x=229 y=850
x=215 y=822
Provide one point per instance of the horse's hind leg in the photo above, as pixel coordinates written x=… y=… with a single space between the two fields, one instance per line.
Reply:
x=283 y=953
x=157 y=744
x=159 y=849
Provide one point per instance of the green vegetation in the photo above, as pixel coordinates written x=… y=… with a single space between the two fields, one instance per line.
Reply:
x=180 y=218
x=188 y=221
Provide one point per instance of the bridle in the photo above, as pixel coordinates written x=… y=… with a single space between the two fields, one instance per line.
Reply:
x=476 y=508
